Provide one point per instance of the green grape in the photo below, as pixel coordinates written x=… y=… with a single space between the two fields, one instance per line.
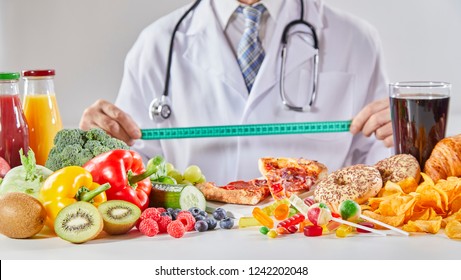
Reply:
x=175 y=174
x=201 y=180
x=169 y=167
x=168 y=180
x=185 y=182
x=192 y=173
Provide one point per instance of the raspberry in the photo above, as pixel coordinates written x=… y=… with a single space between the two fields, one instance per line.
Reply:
x=148 y=227
x=176 y=229
x=187 y=219
x=151 y=213
x=161 y=210
x=163 y=222
x=148 y=213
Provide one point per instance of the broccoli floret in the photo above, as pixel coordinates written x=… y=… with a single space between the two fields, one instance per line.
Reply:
x=96 y=134
x=69 y=155
x=95 y=147
x=76 y=147
x=114 y=144
x=69 y=137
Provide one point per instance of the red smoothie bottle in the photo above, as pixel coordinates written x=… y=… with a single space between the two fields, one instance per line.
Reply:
x=14 y=132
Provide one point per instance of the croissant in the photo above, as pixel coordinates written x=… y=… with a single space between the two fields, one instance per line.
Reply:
x=445 y=159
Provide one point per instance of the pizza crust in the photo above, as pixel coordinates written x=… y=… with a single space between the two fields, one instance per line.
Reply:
x=235 y=196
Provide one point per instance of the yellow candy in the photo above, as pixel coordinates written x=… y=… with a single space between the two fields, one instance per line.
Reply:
x=264 y=219
x=248 y=222
x=269 y=210
x=343 y=231
x=272 y=233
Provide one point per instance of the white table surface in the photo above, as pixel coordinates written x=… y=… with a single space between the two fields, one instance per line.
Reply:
x=235 y=244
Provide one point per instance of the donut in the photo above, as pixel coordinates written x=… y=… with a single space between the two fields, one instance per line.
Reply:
x=399 y=167
x=357 y=182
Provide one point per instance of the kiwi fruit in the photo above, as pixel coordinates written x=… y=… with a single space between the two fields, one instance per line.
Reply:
x=78 y=222
x=119 y=216
x=21 y=215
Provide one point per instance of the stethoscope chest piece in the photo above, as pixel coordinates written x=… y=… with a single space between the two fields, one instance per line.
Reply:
x=160 y=109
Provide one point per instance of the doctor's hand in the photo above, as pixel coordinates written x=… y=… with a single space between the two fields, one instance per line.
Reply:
x=110 y=118
x=375 y=118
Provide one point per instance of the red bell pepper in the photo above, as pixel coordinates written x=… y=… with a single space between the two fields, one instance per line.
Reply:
x=125 y=172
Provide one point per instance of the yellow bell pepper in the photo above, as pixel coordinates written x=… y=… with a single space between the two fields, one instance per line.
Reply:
x=67 y=186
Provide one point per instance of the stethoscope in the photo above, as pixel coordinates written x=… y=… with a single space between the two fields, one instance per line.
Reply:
x=160 y=108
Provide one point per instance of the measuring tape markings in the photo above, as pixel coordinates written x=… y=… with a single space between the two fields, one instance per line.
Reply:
x=245 y=130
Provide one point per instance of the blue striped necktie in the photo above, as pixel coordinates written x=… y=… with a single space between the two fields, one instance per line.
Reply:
x=250 y=52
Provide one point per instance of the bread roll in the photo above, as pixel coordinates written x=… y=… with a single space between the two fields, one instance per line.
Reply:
x=445 y=159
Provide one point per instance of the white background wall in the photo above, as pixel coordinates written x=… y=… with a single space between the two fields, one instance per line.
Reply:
x=86 y=42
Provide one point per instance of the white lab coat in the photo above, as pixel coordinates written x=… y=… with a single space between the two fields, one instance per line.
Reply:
x=207 y=88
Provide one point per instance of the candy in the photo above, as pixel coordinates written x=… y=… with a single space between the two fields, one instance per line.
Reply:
x=350 y=210
x=292 y=212
x=313 y=230
x=296 y=219
x=264 y=230
x=269 y=210
x=262 y=218
x=365 y=224
x=248 y=222
x=281 y=212
x=289 y=230
x=299 y=204
x=343 y=231
x=272 y=233
x=319 y=214
x=309 y=201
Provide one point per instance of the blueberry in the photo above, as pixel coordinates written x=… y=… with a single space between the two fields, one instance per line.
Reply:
x=226 y=223
x=201 y=226
x=166 y=214
x=175 y=213
x=219 y=214
x=211 y=223
x=194 y=211
x=199 y=218
x=203 y=213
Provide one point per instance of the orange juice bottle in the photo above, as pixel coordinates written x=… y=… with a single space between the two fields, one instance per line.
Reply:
x=41 y=111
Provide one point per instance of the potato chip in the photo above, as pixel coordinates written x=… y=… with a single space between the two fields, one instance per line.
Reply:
x=453 y=229
x=433 y=197
x=452 y=186
x=375 y=202
x=395 y=221
x=389 y=189
x=365 y=207
x=456 y=216
x=399 y=205
x=423 y=214
x=408 y=185
x=431 y=226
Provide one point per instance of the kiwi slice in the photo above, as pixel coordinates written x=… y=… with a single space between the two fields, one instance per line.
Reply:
x=78 y=222
x=119 y=216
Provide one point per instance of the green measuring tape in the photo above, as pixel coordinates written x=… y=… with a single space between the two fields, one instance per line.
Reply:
x=245 y=130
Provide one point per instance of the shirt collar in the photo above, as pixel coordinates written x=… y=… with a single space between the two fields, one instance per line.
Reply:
x=226 y=8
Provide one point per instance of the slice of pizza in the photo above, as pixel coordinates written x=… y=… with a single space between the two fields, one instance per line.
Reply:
x=286 y=176
x=238 y=192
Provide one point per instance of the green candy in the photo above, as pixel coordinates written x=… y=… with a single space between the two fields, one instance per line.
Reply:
x=264 y=230
x=349 y=209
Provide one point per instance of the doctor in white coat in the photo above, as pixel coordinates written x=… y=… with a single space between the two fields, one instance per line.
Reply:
x=207 y=88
